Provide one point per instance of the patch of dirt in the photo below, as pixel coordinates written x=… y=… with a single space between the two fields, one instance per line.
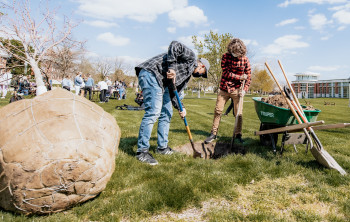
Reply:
x=212 y=150
x=279 y=101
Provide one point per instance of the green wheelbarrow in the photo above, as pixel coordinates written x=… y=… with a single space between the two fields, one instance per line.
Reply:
x=275 y=120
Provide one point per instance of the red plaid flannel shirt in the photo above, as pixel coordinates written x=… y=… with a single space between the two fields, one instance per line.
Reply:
x=232 y=69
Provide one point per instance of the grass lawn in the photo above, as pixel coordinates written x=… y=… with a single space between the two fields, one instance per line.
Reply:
x=258 y=186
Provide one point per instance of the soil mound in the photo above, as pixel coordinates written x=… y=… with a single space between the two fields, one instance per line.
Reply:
x=279 y=101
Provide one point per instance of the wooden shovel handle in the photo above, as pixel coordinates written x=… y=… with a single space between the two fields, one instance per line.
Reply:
x=284 y=95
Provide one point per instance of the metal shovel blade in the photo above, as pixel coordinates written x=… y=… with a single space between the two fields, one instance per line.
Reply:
x=206 y=150
x=324 y=158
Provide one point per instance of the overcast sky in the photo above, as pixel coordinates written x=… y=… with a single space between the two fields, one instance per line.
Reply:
x=306 y=35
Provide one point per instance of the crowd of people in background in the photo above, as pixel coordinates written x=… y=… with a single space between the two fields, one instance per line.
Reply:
x=85 y=85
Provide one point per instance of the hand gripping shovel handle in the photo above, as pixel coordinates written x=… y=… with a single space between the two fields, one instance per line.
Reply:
x=195 y=152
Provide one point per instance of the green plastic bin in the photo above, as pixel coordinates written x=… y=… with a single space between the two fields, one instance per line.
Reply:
x=271 y=114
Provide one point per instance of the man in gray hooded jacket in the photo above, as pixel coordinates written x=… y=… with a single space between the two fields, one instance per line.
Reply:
x=156 y=76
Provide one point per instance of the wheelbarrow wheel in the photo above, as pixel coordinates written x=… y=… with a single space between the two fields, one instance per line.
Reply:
x=265 y=139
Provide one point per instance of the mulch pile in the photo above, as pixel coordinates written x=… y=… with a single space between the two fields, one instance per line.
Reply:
x=279 y=101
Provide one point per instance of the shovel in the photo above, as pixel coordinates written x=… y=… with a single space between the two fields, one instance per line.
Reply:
x=195 y=152
x=320 y=154
x=240 y=104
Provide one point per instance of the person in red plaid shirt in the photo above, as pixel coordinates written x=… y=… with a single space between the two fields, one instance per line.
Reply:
x=235 y=68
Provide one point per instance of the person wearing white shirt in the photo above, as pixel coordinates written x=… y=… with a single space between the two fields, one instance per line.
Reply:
x=5 y=81
x=108 y=81
x=102 y=85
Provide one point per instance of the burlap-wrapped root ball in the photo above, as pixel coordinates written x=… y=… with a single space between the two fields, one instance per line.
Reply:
x=56 y=150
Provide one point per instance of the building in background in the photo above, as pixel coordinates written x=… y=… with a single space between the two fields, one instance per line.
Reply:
x=307 y=85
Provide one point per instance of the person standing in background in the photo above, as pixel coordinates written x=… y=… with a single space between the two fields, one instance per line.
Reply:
x=102 y=85
x=88 y=86
x=5 y=81
x=66 y=83
x=78 y=81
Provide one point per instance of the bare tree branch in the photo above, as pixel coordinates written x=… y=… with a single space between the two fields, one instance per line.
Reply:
x=104 y=67
x=38 y=35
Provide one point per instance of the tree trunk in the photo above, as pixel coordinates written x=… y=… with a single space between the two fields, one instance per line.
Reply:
x=40 y=85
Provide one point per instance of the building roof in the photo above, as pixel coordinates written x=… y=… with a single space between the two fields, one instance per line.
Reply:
x=307 y=74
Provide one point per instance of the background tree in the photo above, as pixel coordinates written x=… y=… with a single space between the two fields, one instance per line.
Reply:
x=119 y=66
x=122 y=72
x=16 y=65
x=87 y=67
x=38 y=35
x=261 y=81
x=63 y=59
x=104 y=67
x=212 y=48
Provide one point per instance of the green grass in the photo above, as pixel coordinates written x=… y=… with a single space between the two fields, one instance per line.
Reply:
x=258 y=186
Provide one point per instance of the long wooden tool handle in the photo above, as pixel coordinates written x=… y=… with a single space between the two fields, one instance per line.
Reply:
x=290 y=128
x=290 y=105
x=332 y=126
x=301 y=112
x=284 y=95
x=295 y=98
x=195 y=152
x=240 y=103
x=181 y=109
x=330 y=162
x=299 y=108
x=289 y=85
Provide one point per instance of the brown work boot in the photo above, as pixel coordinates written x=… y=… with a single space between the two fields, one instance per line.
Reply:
x=210 y=138
x=239 y=138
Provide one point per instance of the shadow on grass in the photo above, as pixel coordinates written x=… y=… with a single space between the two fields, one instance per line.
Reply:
x=193 y=132
x=311 y=164
x=195 y=98
x=6 y=213
x=33 y=216
x=129 y=145
x=223 y=148
x=251 y=146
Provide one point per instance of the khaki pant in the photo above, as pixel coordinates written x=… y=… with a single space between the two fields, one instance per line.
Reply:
x=220 y=104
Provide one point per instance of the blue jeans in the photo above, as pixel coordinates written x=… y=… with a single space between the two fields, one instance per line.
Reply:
x=121 y=91
x=157 y=106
